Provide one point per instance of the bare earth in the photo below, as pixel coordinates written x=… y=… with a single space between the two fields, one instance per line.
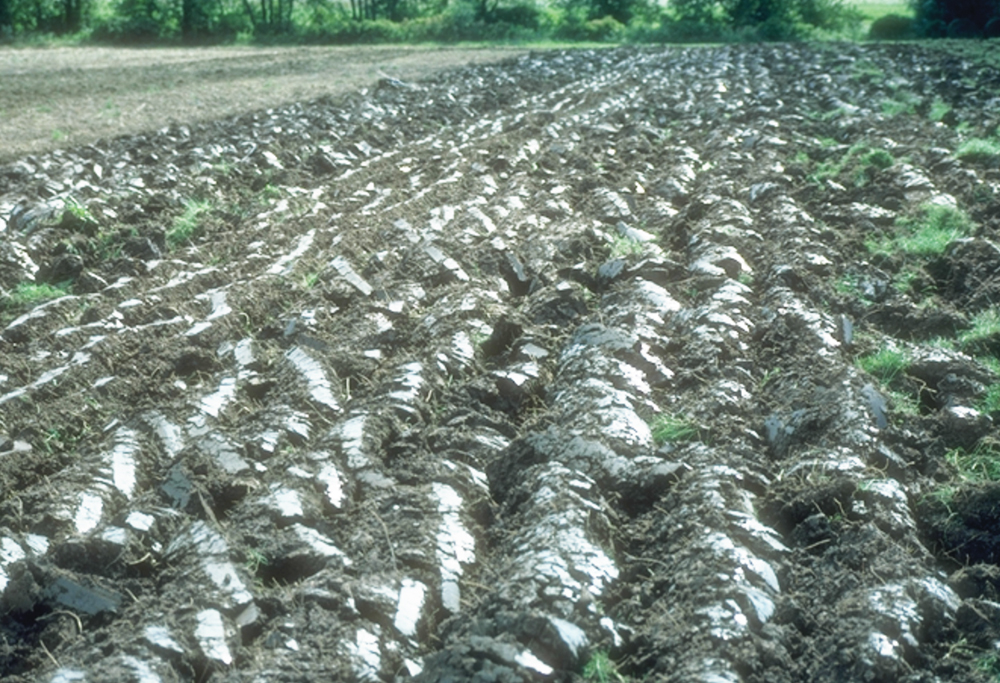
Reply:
x=59 y=97
x=592 y=360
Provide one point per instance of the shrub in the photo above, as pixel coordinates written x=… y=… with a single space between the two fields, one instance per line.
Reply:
x=892 y=27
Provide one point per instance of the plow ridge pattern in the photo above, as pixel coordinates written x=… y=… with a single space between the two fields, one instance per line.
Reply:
x=492 y=376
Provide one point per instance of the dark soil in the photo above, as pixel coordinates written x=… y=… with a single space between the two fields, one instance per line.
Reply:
x=546 y=370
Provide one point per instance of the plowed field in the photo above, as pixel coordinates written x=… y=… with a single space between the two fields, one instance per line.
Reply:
x=635 y=364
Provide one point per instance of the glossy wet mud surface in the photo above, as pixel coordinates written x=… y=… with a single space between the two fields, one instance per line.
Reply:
x=481 y=377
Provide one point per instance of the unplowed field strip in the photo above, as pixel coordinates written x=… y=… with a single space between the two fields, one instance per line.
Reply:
x=55 y=97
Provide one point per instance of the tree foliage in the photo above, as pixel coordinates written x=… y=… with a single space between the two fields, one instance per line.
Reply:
x=958 y=18
x=43 y=16
x=763 y=19
x=414 y=20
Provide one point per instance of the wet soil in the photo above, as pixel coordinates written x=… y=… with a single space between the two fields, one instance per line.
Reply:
x=543 y=370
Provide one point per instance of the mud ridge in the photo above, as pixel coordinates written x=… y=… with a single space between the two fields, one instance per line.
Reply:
x=520 y=371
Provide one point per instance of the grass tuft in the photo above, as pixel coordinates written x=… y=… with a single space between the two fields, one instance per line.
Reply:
x=939 y=109
x=674 y=429
x=927 y=234
x=989 y=664
x=860 y=162
x=625 y=246
x=187 y=226
x=879 y=158
x=885 y=364
x=981 y=464
x=978 y=150
x=985 y=328
x=990 y=402
x=30 y=293
x=600 y=669
x=904 y=404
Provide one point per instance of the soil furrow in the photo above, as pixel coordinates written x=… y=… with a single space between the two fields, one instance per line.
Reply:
x=619 y=363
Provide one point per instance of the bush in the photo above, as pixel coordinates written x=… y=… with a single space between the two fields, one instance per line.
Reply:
x=575 y=27
x=892 y=27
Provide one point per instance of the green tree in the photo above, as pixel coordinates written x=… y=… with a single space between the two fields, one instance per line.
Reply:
x=621 y=11
x=6 y=17
x=955 y=17
x=769 y=19
x=196 y=18
x=271 y=16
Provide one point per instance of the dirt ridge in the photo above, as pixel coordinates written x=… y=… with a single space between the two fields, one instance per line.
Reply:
x=524 y=372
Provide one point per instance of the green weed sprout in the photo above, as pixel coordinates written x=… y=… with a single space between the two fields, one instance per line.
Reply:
x=187 y=226
x=674 y=429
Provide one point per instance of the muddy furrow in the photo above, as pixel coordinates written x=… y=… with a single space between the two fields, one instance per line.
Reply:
x=499 y=375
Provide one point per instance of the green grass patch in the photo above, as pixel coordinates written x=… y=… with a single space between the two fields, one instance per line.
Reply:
x=885 y=364
x=188 y=225
x=768 y=377
x=865 y=71
x=985 y=328
x=878 y=158
x=859 y=163
x=988 y=664
x=990 y=363
x=79 y=211
x=30 y=293
x=902 y=103
x=981 y=464
x=990 y=402
x=600 y=669
x=927 y=234
x=270 y=192
x=674 y=429
x=848 y=284
x=978 y=150
x=939 y=109
x=622 y=247
x=943 y=494
x=904 y=404
x=910 y=280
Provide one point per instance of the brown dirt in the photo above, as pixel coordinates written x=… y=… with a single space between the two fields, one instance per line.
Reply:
x=525 y=366
x=57 y=97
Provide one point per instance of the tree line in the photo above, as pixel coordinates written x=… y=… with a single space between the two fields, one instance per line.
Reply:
x=193 y=21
